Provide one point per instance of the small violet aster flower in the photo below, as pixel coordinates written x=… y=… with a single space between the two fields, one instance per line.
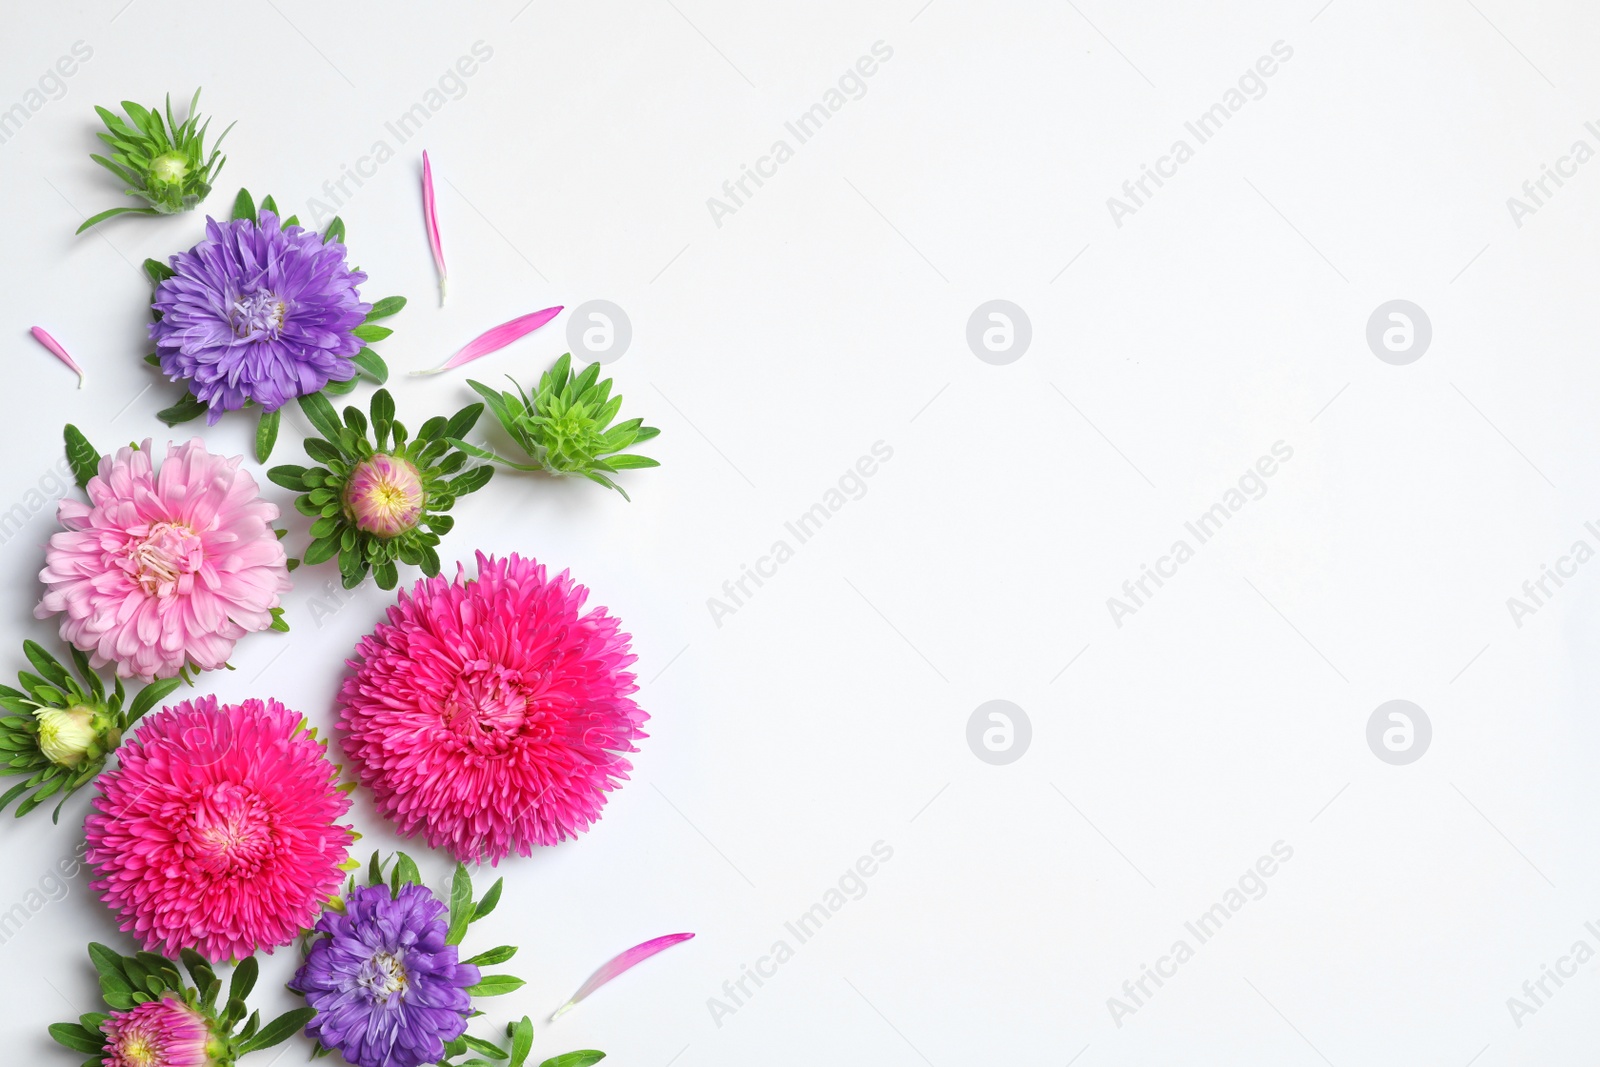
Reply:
x=258 y=312
x=387 y=988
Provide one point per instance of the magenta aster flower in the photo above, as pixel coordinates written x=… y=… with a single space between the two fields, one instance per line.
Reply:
x=258 y=312
x=158 y=1033
x=490 y=714
x=388 y=989
x=159 y=570
x=218 y=831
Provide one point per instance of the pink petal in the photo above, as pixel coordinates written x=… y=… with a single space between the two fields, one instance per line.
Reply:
x=496 y=339
x=618 y=965
x=431 y=218
x=60 y=353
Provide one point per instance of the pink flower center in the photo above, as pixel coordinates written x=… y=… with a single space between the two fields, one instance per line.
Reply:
x=486 y=710
x=258 y=316
x=163 y=556
x=229 y=831
x=383 y=495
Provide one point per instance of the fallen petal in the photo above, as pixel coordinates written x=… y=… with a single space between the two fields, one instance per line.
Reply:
x=618 y=965
x=60 y=353
x=431 y=218
x=496 y=339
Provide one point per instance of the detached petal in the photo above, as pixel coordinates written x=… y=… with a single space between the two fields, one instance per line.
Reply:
x=431 y=219
x=619 y=965
x=496 y=339
x=60 y=353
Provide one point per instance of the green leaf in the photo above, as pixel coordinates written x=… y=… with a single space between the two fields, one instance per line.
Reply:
x=489 y=901
x=389 y=305
x=356 y=419
x=493 y=956
x=372 y=363
x=107 y=962
x=77 y=1038
x=266 y=434
x=244 y=978
x=521 y=1041
x=149 y=697
x=478 y=1044
x=82 y=457
x=375 y=870
x=157 y=271
x=184 y=410
x=289 y=475
x=368 y=332
x=386 y=574
x=582 y=1058
x=278 y=622
x=94 y=219
x=243 y=206
x=462 y=422
x=46 y=664
x=278 y=1030
x=340 y=388
x=460 y=905
x=334 y=232
x=269 y=204
x=405 y=872
x=470 y=481
x=627 y=462
x=320 y=551
x=321 y=414
x=494 y=985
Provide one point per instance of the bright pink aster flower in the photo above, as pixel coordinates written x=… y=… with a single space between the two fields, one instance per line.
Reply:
x=157 y=1033
x=217 y=831
x=163 y=569
x=489 y=714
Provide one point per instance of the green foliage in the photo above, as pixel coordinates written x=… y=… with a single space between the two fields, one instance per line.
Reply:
x=127 y=981
x=162 y=163
x=51 y=686
x=565 y=426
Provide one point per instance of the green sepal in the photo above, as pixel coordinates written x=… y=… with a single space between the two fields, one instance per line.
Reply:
x=243 y=206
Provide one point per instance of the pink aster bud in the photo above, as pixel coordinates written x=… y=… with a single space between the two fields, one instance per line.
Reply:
x=68 y=736
x=383 y=495
x=166 y=1032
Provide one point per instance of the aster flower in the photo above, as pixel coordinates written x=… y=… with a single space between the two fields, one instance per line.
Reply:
x=60 y=727
x=260 y=312
x=383 y=499
x=158 y=1019
x=565 y=426
x=383 y=974
x=218 y=831
x=164 y=165
x=489 y=715
x=162 y=570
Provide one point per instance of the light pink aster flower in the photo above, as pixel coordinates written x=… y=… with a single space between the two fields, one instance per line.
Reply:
x=160 y=569
x=158 y=1033
x=384 y=495
x=218 y=830
x=490 y=714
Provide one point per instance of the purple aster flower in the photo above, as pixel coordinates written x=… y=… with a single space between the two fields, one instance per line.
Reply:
x=258 y=312
x=387 y=989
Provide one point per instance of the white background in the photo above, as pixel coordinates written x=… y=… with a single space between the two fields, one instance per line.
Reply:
x=828 y=313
